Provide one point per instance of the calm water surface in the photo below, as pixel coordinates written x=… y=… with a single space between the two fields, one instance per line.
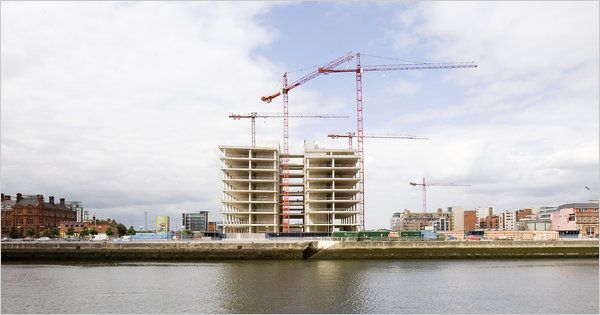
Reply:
x=414 y=286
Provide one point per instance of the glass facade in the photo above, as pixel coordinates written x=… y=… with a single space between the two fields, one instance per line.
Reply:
x=195 y=221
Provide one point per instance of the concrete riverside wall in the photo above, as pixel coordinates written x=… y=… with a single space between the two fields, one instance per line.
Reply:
x=165 y=251
x=460 y=250
x=265 y=250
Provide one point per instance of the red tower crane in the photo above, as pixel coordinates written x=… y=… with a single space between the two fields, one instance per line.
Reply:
x=424 y=184
x=359 y=70
x=255 y=115
x=286 y=150
x=351 y=135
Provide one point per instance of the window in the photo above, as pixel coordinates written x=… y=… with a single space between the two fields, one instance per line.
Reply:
x=29 y=221
x=572 y=217
x=19 y=221
x=29 y=211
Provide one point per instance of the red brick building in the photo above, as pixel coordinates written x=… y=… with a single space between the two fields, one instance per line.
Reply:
x=523 y=213
x=100 y=226
x=27 y=212
x=470 y=217
x=491 y=222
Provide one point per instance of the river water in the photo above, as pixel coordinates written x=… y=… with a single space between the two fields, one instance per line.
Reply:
x=348 y=286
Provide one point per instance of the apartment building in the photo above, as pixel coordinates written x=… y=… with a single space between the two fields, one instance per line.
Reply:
x=507 y=221
x=416 y=221
x=322 y=189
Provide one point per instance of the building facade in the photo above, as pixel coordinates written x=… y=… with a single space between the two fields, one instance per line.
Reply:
x=31 y=213
x=195 y=221
x=579 y=217
x=470 y=220
x=82 y=214
x=507 y=221
x=457 y=218
x=101 y=226
x=416 y=221
x=163 y=224
x=322 y=189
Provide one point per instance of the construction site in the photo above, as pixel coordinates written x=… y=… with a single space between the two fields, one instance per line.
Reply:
x=317 y=191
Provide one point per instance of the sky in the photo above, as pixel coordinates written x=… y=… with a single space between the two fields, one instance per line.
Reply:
x=122 y=105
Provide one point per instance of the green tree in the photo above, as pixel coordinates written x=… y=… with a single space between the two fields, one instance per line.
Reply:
x=121 y=229
x=54 y=232
x=30 y=232
x=13 y=233
x=84 y=232
x=109 y=231
x=93 y=231
x=70 y=232
x=131 y=231
x=46 y=233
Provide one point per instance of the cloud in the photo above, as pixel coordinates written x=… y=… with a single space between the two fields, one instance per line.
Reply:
x=122 y=105
x=524 y=131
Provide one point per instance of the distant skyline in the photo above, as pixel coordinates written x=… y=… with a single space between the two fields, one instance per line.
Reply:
x=122 y=105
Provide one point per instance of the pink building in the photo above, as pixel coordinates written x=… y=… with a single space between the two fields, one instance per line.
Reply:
x=581 y=217
x=564 y=220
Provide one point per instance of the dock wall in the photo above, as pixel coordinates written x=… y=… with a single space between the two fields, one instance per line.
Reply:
x=268 y=250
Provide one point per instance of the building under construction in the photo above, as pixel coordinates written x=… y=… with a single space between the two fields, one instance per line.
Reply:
x=322 y=190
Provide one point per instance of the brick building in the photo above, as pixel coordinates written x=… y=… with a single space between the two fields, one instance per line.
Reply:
x=27 y=212
x=523 y=213
x=470 y=220
x=100 y=226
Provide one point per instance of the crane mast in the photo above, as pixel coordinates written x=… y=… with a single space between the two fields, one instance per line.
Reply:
x=425 y=184
x=284 y=93
x=359 y=70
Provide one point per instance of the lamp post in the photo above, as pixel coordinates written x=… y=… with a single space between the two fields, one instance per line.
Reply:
x=181 y=232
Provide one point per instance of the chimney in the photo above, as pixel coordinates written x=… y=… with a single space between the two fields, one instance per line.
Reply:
x=62 y=201
x=490 y=212
x=19 y=197
x=40 y=199
x=51 y=199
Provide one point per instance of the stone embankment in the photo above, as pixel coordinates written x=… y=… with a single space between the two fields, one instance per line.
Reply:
x=287 y=250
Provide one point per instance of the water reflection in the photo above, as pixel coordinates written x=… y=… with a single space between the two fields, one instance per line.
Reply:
x=383 y=286
x=292 y=287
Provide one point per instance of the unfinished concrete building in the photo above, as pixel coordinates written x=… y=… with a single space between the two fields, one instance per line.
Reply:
x=250 y=189
x=323 y=190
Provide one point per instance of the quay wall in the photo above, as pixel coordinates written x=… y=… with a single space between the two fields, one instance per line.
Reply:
x=150 y=251
x=288 y=250
x=460 y=250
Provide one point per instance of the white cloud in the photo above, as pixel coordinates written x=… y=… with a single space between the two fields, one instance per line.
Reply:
x=122 y=106
x=525 y=133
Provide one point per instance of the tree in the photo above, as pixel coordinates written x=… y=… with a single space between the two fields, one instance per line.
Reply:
x=131 y=231
x=93 y=231
x=46 y=232
x=70 y=232
x=121 y=229
x=54 y=232
x=84 y=232
x=30 y=232
x=109 y=231
x=13 y=233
